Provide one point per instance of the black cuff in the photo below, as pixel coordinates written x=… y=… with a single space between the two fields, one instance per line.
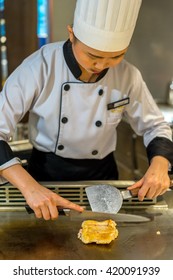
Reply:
x=5 y=152
x=160 y=146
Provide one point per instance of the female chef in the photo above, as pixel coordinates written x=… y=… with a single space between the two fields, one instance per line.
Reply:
x=76 y=93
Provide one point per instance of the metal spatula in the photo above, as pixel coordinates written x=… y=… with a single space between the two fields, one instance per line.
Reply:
x=106 y=198
x=109 y=199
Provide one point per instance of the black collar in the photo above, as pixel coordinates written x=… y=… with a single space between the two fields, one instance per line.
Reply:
x=73 y=64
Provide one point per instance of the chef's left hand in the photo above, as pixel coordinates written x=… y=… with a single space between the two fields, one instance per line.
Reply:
x=155 y=181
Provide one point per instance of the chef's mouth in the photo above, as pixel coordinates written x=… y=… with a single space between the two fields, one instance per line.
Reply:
x=96 y=71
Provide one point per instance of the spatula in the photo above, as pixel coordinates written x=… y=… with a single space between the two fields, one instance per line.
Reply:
x=106 y=198
x=109 y=199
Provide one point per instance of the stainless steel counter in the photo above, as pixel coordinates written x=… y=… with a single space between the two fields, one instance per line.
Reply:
x=23 y=237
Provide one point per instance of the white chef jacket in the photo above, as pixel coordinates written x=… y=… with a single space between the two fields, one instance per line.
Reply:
x=74 y=119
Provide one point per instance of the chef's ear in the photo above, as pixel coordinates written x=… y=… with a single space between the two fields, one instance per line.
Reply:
x=71 y=33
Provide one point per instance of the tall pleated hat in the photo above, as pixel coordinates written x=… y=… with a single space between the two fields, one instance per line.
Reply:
x=106 y=25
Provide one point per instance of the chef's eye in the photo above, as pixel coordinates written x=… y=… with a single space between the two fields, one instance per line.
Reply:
x=92 y=57
x=118 y=57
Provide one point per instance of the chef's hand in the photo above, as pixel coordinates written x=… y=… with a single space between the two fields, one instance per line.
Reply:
x=41 y=200
x=155 y=181
x=44 y=203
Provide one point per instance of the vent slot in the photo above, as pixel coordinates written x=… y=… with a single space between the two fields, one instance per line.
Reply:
x=12 y=199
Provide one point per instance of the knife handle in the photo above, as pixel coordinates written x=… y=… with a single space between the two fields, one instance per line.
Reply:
x=31 y=211
x=134 y=192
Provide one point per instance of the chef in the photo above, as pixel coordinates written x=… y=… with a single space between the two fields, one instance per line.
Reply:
x=76 y=93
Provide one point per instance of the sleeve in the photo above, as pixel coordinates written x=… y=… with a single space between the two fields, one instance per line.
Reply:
x=7 y=158
x=17 y=97
x=5 y=152
x=161 y=146
x=142 y=112
x=147 y=120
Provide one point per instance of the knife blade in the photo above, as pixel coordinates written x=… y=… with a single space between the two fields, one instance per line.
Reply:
x=91 y=215
x=118 y=218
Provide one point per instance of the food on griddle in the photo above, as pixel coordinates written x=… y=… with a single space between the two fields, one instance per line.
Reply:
x=98 y=232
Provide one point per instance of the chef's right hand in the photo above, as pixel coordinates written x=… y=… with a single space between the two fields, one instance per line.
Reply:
x=44 y=203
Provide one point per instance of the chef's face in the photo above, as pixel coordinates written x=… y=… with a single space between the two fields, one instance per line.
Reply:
x=92 y=60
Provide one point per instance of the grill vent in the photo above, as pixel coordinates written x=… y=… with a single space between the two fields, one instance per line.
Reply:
x=12 y=199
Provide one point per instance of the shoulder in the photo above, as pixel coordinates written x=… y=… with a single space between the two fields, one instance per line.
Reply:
x=125 y=77
x=45 y=54
x=128 y=69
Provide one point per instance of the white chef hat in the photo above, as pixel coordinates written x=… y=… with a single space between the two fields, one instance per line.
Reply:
x=106 y=25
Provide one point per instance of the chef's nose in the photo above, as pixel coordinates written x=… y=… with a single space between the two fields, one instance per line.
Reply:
x=100 y=65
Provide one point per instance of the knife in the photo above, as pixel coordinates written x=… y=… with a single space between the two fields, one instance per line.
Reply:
x=61 y=211
x=91 y=215
x=118 y=218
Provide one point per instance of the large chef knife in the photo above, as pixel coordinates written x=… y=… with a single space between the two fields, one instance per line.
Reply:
x=100 y=216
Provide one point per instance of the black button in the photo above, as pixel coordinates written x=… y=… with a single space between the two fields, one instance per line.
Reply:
x=60 y=147
x=98 y=123
x=95 y=152
x=101 y=91
x=66 y=87
x=64 y=120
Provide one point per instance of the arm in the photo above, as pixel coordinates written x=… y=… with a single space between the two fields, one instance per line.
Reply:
x=43 y=201
x=146 y=119
x=18 y=97
x=156 y=180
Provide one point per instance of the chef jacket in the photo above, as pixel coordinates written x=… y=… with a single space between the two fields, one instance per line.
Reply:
x=75 y=119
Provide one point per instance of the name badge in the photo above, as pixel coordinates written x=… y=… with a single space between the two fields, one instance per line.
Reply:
x=118 y=103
